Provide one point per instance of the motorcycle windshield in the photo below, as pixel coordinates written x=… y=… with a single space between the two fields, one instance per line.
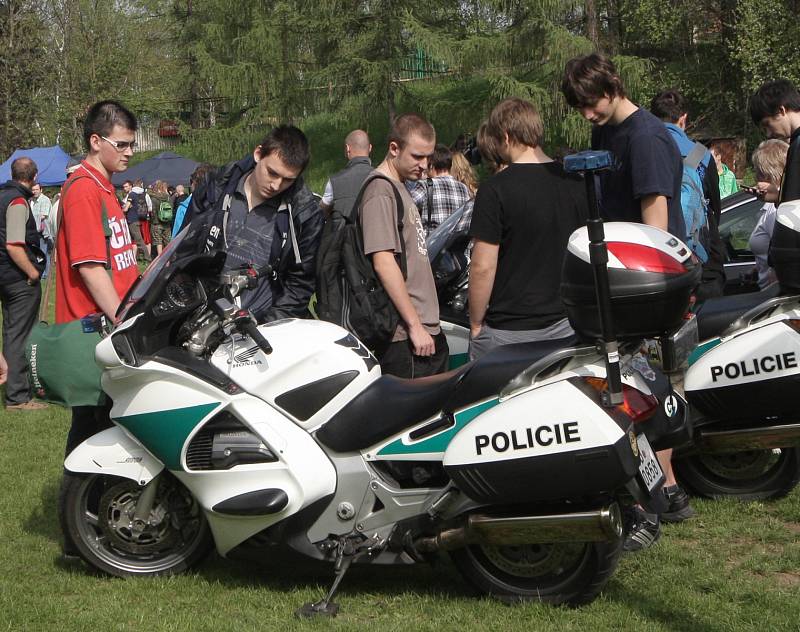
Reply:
x=182 y=245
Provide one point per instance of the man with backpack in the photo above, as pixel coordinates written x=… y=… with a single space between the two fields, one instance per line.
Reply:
x=260 y=212
x=395 y=240
x=700 y=198
x=130 y=205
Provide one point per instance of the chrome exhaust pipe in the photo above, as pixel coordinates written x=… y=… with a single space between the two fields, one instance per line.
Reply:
x=583 y=526
x=763 y=438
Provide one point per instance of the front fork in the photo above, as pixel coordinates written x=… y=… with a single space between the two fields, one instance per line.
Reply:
x=144 y=505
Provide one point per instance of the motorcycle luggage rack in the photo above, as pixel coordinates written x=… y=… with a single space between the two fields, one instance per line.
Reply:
x=553 y=362
x=760 y=312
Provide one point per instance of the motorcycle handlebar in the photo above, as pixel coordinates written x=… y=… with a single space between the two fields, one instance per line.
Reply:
x=249 y=327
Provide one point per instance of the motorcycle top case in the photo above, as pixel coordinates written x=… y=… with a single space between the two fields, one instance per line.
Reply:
x=651 y=276
x=784 y=248
x=550 y=443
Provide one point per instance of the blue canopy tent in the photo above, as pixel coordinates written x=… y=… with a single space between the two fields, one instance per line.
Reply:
x=171 y=168
x=52 y=163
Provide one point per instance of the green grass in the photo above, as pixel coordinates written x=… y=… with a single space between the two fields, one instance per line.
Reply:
x=734 y=567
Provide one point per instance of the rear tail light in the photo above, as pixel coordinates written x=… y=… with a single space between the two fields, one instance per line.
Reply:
x=644 y=258
x=636 y=406
x=794 y=324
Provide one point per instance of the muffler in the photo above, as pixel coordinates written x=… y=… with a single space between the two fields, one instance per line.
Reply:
x=584 y=526
x=763 y=438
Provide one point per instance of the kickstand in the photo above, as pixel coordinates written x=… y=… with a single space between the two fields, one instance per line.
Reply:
x=327 y=608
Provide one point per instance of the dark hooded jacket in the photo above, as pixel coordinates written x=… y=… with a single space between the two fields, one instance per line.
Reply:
x=293 y=262
x=790 y=187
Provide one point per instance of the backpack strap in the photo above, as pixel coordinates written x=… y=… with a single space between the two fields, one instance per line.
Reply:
x=429 y=186
x=695 y=157
x=398 y=200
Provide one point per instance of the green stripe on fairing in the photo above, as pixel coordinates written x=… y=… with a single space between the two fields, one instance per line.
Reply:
x=438 y=443
x=694 y=356
x=165 y=431
x=457 y=360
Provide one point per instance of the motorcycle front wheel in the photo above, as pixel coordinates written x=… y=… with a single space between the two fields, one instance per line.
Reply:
x=749 y=475
x=566 y=573
x=97 y=515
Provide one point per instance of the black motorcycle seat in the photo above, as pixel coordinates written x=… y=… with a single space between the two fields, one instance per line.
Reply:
x=715 y=315
x=390 y=405
x=490 y=373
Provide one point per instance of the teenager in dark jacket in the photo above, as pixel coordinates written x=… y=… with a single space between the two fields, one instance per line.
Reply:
x=259 y=211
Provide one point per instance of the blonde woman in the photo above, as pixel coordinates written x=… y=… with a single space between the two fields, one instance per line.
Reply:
x=769 y=160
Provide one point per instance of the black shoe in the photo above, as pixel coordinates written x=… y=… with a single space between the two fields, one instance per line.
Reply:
x=679 y=507
x=643 y=532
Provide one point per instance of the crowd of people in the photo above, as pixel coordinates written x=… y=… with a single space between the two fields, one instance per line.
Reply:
x=260 y=211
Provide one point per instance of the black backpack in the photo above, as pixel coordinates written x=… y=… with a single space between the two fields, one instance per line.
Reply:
x=349 y=292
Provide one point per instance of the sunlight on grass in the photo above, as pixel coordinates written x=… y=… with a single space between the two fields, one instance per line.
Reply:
x=735 y=567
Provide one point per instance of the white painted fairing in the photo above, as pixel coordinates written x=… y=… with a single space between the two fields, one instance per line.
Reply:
x=764 y=351
x=629 y=232
x=788 y=214
x=552 y=419
x=303 y=351
x=113 y=453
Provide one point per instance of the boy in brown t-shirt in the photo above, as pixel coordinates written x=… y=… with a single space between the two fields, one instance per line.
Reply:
x=418 y=347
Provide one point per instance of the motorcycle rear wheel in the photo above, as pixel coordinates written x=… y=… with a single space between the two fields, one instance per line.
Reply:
x=97 y=513
x=570 y=574
x=750 y=475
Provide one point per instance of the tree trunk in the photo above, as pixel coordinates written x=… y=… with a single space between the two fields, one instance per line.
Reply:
x=592 y=27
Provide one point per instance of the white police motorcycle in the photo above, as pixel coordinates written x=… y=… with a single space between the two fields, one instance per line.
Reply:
x=230 y=435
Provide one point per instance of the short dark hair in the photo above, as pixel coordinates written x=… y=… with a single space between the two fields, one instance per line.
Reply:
x=519 y=119
x=128 y=182
x=103 y=116
x=441 y=158
x=770 y=97
x=405 y=125
x=669 y=106
x=289 y=143
x=24 y=170
x=589 y=78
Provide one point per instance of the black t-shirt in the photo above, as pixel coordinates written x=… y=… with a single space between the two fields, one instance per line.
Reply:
x=790 y=186
x=530 y=210
x=649 y=164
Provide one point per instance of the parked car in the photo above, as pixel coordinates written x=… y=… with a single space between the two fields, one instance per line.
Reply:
x=739 y=215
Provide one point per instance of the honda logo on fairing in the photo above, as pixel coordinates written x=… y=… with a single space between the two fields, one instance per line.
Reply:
x=524 y=439
x=245 y=357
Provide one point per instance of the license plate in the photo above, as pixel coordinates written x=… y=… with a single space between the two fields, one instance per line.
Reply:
x=649 y=468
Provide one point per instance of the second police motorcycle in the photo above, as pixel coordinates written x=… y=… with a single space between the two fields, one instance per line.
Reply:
x=735 y=360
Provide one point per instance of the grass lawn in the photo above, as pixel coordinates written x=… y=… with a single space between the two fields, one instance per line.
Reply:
x=734 y=567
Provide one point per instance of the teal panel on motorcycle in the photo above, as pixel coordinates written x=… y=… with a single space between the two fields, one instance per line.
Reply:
x=438 y=443
x=164 y=432
x=699 y=351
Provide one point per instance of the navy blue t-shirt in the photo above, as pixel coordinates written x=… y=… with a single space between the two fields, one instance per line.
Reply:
x=649 y=164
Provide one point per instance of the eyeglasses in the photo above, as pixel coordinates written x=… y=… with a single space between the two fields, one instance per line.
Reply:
x=120 y=145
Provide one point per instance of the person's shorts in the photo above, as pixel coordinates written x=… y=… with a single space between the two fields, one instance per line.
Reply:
x=160 y=234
